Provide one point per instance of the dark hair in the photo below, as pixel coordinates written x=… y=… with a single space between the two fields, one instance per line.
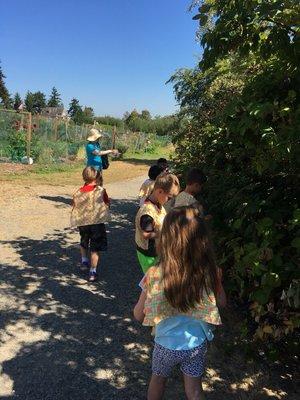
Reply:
x=162 y=160
x=154 y=171
x=195 y=175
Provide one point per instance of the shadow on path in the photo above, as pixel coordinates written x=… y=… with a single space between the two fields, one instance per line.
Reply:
x=74 y=341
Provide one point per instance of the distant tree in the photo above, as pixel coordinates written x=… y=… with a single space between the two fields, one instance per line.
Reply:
x=88 y=115
x=74 y=107
x=29 y=101
x=34 y=102
x=75 y=112
x=111 y=121
x=55 y=100
x=145 y=114
x=5 y=99
x=17 y=101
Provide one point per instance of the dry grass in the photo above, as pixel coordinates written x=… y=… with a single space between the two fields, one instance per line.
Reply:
x=69 y=174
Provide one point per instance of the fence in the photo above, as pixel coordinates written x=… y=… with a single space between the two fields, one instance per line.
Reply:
x=56 y=139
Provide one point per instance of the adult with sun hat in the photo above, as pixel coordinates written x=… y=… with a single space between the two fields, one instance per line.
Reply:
x=93 y=150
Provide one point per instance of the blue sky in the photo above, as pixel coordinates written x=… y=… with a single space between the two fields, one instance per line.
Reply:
x=113 y=55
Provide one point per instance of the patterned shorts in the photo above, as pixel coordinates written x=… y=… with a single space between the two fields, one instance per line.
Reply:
x=192 y=362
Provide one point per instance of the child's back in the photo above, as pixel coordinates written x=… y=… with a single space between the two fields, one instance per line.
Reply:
x=179 y=299
x=90 y=213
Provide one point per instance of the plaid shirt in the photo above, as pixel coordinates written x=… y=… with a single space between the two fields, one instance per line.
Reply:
x=157 y=307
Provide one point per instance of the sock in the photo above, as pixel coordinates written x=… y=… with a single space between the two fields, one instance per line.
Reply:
x=84 y=260
x=94 y=270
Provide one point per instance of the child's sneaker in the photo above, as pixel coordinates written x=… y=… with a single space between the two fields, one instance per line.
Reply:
x=85 y=266
x=93 y=276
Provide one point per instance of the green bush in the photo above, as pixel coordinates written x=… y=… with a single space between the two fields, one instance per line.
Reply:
x=16 y=144
x=239 y=121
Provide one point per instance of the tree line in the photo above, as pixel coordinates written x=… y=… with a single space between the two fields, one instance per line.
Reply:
x=34 y=102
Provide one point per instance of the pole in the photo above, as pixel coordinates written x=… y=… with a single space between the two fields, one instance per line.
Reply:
x=28 y=150
x=114 y=138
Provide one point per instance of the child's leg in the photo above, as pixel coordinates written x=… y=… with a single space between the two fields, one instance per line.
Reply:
x=95 y=256
x=193 y=388
x=98 y=243
x=84 y=245
x=84 y=253
x=156 y=387
x=193 y=368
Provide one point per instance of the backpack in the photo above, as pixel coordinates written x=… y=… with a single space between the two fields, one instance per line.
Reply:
x=105 y=161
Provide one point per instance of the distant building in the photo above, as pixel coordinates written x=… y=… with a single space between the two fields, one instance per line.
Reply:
x=54 y=112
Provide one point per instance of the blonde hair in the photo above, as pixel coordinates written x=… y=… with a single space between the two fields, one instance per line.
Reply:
x=186 y=258
x=90 y=174
x=167 y=182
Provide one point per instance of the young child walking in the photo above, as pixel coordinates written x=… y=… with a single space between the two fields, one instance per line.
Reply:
x=148 y=184
x=90 y=212
x=180 y=298
x=149 y=219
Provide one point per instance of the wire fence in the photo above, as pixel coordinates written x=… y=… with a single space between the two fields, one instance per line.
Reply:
x=47 y=139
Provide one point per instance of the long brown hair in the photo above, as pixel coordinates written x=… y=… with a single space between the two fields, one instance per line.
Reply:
x=186 y=258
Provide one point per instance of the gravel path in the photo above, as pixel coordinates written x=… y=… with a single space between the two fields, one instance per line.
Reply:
x=64 y=339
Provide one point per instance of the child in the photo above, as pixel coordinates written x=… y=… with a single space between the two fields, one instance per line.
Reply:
x=150 y=217
x=90 y=212
x=195 y=180
x=163 y=164
x=148 y=185
x=179 y=298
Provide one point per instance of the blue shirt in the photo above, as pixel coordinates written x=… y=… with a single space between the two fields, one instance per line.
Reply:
x=93 y=160
x=182 y=332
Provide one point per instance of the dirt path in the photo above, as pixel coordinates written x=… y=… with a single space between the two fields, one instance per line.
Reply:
x=65 y=339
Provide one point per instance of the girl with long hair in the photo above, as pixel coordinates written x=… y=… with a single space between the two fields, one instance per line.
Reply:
x=180 y=298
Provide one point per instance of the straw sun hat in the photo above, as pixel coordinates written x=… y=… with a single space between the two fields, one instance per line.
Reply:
x=94 y=135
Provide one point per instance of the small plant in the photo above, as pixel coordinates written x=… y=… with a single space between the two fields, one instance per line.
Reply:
x=17 y=144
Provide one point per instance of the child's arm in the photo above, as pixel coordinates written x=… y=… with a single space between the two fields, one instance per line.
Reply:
x=148 y=227
x=138 y=310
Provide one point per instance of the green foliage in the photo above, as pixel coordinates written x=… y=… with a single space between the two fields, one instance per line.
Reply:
x=5 y=99
x=54 y=100
x=239 y=120
x=34 y=102
x=17 y=101
x=17 y=144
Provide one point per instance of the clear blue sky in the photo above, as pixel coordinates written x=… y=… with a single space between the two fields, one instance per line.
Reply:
x=113 y=55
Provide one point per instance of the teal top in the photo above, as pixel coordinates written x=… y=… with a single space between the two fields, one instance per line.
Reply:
x=182 y=332
x=93 y=160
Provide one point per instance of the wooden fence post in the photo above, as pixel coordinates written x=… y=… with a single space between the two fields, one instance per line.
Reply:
x=114 y=138
x=28 y=149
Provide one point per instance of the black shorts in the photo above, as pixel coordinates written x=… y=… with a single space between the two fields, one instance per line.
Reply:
x=93 y=237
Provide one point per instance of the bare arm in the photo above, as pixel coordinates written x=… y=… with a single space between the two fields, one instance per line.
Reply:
x=138 y=310
x=149 y=235
x=104 y=152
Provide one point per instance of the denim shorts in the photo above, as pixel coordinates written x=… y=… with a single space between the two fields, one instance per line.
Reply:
x=192 y=362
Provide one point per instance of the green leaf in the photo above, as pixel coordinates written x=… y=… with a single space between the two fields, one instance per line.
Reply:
x=261 y=295
x=296 y=243
x=270 y=279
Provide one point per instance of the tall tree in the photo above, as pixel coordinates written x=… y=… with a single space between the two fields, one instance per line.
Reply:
x=17 y=101
x=88 y=115
x=55 y=100
x=29 y=101
x=5 y=99
x=34 y=102
x=145 y=114
x=75 y=111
